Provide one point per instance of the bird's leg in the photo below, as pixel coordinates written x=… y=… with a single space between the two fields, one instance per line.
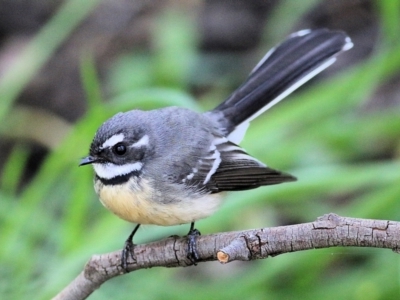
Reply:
x=128 y=249
x=192 y=254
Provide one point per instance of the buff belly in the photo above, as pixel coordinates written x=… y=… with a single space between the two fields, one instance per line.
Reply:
x=133 y=205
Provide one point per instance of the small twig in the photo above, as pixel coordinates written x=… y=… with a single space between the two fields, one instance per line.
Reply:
x=327 y=231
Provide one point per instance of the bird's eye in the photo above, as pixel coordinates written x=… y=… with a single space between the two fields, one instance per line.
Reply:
x=119 y=149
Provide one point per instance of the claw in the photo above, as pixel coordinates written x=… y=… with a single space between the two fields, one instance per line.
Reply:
x=192 y=253
x=128 y=250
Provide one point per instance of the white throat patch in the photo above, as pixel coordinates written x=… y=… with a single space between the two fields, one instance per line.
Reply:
x=110 y=170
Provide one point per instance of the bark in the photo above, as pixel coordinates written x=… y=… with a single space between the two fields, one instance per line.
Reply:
x=327 y=231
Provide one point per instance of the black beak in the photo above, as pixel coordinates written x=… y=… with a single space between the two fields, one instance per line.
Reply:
x=87 y=160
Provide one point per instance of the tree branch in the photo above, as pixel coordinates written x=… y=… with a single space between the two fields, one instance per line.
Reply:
x=327 y=231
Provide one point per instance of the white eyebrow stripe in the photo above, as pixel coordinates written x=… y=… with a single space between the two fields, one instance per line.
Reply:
x=144 y=141
x=115 y=139
x=110 y=171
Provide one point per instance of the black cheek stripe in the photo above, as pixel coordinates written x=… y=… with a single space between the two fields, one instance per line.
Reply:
x=119 y=179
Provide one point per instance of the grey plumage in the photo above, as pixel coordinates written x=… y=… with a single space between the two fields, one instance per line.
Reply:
x=168 y=166
x=196 y=153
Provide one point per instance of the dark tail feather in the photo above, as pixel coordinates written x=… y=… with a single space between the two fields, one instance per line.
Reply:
x=283 y=69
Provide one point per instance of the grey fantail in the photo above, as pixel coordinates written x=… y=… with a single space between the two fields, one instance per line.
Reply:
x=169 y=166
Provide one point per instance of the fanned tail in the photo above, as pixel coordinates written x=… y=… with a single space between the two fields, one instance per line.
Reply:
x=283 y=69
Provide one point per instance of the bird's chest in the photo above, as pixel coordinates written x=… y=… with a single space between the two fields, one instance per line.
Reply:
x=128 y=201
x=141 y=204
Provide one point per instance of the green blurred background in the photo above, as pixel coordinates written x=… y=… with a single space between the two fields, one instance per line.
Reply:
x=66 y=66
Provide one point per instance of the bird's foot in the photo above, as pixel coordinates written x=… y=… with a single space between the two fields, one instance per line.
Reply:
x=192 y=253
x=127 y=252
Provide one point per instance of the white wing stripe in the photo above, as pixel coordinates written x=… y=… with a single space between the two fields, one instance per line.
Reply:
x=243 y=156
x=217 y=160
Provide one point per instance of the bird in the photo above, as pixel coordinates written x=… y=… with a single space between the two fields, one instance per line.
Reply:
x=169 y=166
